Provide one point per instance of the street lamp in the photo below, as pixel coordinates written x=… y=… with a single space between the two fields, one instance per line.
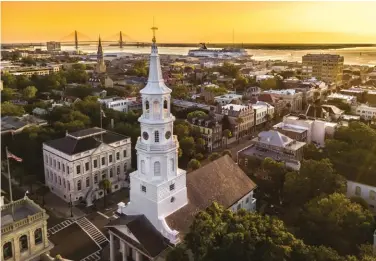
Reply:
x=71 y=205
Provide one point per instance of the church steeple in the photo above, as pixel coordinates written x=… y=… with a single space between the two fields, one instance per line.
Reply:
x=158 y=186
x=100 y=50
x=155 y=83
x=101 y=66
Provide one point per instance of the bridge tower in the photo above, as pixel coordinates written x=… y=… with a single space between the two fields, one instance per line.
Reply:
x=76 y=40
x=121 y=40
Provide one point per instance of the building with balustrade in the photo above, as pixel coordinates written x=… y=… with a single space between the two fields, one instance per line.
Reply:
x=75 y=165
x=24 y=231
x=164 y=198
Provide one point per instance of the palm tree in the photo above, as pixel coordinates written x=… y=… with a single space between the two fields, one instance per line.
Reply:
x=105 y=184
x=43 y=191
x=227 y=134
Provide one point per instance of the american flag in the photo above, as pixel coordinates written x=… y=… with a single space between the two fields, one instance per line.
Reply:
x=12 y=156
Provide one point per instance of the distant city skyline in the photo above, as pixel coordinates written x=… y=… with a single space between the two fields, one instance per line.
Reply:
x=191 y=22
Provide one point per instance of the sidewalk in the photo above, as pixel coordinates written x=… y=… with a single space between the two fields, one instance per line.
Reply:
x=53 y=204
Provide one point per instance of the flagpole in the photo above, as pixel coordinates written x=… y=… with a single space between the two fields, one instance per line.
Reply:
x=10 y=183
x=100 y=112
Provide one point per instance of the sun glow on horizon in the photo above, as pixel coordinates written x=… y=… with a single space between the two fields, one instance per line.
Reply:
x=192 y=22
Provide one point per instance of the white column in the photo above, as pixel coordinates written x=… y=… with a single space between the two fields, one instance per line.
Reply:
x=112 y=246
x=138 y=256
x=124 y=251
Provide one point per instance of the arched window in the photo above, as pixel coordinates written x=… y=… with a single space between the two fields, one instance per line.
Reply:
x=157 y=168
x=79 y=185
x=65 y=185
x=156 y=136
x=156 y=109
x=358 y=191
x=59 y=180
x=147 y=105
x=111 y=173
x=7 y=250
x=118 y=170
x=23 y=243
x=125 y=167
x=372 y=195
x=142 y=166
x=68 y=185
x=172 y=164
x=95 y=178
x=165 y=104
x=38 y=238
x=87 y=182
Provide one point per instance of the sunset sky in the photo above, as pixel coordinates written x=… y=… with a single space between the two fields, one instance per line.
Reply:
x=192 y=22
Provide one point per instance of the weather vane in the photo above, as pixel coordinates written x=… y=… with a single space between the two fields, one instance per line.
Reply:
x=154 y=28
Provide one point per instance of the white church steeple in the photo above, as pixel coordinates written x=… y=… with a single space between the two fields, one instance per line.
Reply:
x=158 y=186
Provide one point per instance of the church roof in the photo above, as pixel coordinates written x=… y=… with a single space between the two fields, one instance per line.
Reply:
x=222 y=181
x=150 y=240
x=155 y=84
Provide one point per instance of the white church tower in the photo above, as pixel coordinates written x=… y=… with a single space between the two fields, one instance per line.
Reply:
x=158 y=186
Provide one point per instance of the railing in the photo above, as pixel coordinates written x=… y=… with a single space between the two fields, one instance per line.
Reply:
x=23 y=222
x=147 y=147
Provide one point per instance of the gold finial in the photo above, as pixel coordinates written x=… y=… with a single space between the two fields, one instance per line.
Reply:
x=154 y=28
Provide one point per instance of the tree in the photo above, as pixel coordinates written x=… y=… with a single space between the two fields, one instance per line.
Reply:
x=268 y=84
x=227 y=134
x=337 y=222
x=7 y=94
x=181 y=130
x=197 y=114
x=220 y=234
x=187 y=144
x=200 y=144
x=199 y=156
x=193 y=164
x=214 y=156
x=315 y=178
x=29 y=92
x=10 y=109
x=178 y=253
x=310 y=151
x=43 y=191
x=227 y=152
x=276 y=171
x=105 y=185
x=360 y=201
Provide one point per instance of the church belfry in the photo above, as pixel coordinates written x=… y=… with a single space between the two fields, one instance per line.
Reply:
x=101 y=66
x=158 y=186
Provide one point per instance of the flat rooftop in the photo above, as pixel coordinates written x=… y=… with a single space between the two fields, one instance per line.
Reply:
x=87 y=132
x=290 y=127
x=262 y=153
x=21 y=209
x=282 y=92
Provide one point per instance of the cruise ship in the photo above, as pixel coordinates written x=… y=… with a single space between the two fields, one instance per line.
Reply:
x=203 y=51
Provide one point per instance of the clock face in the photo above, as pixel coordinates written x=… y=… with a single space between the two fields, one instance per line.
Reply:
x=145 y=135
x=168 y=135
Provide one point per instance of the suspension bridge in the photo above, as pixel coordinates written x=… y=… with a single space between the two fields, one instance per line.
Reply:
x=76 y=39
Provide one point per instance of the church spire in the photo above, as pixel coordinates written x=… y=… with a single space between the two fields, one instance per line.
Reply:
x=155 y=83
x=100 y=50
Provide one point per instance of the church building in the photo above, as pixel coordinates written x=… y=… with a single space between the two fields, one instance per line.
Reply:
x=164 y=199
x=101 y=66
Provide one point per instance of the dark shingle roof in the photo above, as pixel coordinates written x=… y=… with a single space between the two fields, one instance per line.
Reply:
x=71 y=145
x=151 y=241
x=222 y=181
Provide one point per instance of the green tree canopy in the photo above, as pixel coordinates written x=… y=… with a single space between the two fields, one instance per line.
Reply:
x=10 y=109
x=268 y=84
x=193 y=164
x=29 y=92
x=337 y=222
x=214 y=156
x=197 y=114
x=315 y=178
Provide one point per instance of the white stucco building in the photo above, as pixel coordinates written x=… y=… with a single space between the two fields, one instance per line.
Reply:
x=75 y=165
x=164 y=198
x=261 y=110
x=317 y=130
x=121 y=104
x=366 y=192
x=366 y=112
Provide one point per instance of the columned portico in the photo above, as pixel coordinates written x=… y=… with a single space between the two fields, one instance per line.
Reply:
x=125 y=251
